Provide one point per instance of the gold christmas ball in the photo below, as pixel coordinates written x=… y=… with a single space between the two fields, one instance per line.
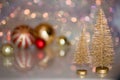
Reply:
x=7 y=49
x=102 y=71
x=82 y=73
x=63 y=41
x=45 y=31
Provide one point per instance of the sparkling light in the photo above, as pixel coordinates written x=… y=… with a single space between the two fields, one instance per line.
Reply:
x=9 y=35
x=87 y=18
x=68 y=2
x=62 y=41
x=35 y=1
x=45 y=15
x=27 y=11
x=45 y=34
x=1 y=34
x=33 y=15
x=12 y=15
x=3 y=22
x=8 y=50
x=1 y=5
x=98 y=2
x=74 y=19
x=29 y=3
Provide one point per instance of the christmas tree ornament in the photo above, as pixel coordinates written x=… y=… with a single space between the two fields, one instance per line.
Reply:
x=82 y=73
x=8 y=61
x=40 y=43
x=22 y=37
x=102 y=47
x=63 y=41
x=45 y=31
x=24 y=60
x=7 y=49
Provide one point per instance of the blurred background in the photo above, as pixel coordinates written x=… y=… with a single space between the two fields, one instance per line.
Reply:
x=65 y=16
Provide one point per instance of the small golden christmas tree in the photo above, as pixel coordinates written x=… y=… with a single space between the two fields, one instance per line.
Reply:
x=102 y=47
x=81 y=53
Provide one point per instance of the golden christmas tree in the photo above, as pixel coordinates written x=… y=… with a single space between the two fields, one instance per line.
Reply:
x=102 y=47
x=81 y=53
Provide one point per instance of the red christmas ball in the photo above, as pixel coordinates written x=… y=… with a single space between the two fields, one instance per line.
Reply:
x=40 y=43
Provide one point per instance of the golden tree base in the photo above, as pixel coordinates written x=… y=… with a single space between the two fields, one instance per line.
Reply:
x=102 y=71
x=82 y=73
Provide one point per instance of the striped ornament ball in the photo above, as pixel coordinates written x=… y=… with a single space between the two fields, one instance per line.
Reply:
x=22 y=37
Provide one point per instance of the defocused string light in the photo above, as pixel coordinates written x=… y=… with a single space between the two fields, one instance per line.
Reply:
x=1 y=5
x=45 y=15
x=3 y=22
x=12 y=15
x=33 y=15
x=27 y=11
x=98 y=2
x=74 y=19
x=1 y=34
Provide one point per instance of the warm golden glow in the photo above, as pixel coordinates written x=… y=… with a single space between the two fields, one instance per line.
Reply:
x=27 y=11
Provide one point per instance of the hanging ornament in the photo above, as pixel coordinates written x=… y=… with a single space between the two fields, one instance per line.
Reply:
x=40 y=43
x=24 y=60
x=22 y=37
x=102 y=71
x=63 y=41
x=82 y=73
x=7 y=49
x=8 y=61
x=45 y=31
